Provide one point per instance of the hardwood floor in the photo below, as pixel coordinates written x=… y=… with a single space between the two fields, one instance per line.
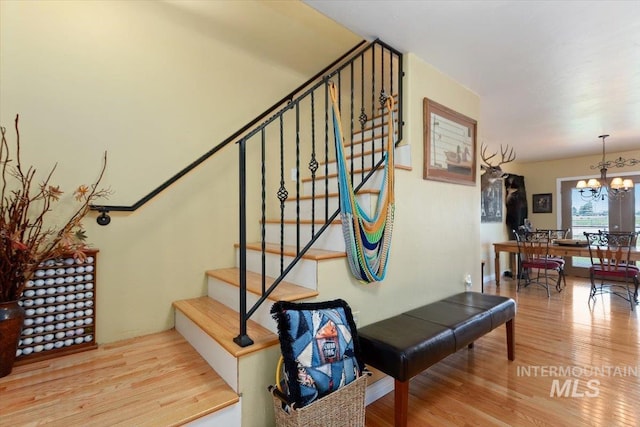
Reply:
x=574 y=366
x=560 y=342
x=155 y=380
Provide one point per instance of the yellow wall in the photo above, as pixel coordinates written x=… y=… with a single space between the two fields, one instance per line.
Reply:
x=436 y=235
x=156 y=86
x=541 y=177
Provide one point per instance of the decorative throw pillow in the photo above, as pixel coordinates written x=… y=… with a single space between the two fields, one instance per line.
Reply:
x=320 y=348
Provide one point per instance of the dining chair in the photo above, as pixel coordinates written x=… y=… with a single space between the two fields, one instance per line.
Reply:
x=533 y=257
x=611 y=271
x=558 y=234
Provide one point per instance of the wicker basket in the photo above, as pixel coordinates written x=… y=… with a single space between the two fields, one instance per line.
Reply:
x=342 y=408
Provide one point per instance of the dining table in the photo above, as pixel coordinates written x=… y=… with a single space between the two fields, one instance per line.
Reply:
x=578 y=250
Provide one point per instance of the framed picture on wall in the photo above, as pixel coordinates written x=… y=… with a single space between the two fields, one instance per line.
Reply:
x=542 y=203
x=491 y=202
x=449 y=145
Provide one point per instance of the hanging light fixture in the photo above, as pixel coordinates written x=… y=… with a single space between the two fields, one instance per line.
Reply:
x=594 y=189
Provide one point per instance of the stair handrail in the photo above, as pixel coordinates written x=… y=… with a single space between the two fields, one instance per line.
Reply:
x=105 y=219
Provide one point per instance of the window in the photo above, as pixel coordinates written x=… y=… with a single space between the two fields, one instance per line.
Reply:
x=593 y=215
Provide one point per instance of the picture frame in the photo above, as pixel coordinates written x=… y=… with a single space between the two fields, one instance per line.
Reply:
x=449 y=145
x=542 y=203
x=491 y=202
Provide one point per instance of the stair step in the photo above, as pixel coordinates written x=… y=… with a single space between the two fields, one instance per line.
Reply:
x=221 y=323
x=321 y=196
x=290 y=230
x=288 y=250
x=285 y=291
x=307 y=203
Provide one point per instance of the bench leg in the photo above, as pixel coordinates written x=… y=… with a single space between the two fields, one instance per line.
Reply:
x=401 y=402
x=511 y=339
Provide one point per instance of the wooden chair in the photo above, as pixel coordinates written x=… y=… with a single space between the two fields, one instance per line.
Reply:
x=557 y=234
x=611 y=272
x=533 y=254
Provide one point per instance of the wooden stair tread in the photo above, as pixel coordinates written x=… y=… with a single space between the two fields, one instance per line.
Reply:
x=221 y=323
x=156 y=379
x=332 y=194
x=335 y=175
x=319 y=222
x=312 y=254
x=285 y=291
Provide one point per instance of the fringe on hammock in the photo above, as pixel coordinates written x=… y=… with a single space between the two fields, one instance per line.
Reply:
x=367 y=240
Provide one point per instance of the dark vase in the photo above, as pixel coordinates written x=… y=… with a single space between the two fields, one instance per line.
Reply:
x=11 y=320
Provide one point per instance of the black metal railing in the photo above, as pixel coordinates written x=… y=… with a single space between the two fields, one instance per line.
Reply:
x=301 y=133
x=298 y=131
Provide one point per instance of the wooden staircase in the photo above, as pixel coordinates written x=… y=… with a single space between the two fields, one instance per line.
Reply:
x=210 y=322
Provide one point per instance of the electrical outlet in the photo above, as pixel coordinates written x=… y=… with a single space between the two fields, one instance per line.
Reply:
x=294 y=174
x=356 y=317
x=467 y=281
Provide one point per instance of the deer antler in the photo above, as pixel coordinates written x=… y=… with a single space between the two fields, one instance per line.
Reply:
x=510 y=157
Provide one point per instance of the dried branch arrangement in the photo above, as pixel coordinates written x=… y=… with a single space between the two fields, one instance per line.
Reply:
x=27 y=235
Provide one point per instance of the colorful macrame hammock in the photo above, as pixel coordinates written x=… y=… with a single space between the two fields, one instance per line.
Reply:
x=367 y=240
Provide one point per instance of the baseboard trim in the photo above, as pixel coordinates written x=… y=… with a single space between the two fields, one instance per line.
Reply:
x=378 y=389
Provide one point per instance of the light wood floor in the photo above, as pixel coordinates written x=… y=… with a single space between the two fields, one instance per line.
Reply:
x=480 y=387
x=155 y=380
x=118 y=384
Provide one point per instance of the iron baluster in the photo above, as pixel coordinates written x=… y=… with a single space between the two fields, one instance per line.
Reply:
x=263 y=252
x=297 y=177
x=283 y=194
x=313 y=163
x=326 y=149
x=243 y=339
x=373 y=105
x=363 y=115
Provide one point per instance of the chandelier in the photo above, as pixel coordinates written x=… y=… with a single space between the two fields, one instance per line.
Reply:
x=600 y=189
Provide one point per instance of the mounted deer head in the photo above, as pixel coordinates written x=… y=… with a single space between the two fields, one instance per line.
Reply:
x=490 y=172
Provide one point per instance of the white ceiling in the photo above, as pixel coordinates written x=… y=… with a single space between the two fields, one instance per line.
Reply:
x=551 y=75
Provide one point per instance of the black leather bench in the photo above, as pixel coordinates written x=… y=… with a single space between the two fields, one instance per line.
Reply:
x=405 y=345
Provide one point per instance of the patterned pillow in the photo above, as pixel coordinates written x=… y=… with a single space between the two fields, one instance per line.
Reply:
x=320 y=348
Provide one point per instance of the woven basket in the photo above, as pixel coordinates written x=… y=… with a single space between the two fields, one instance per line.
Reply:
x=341 y=408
